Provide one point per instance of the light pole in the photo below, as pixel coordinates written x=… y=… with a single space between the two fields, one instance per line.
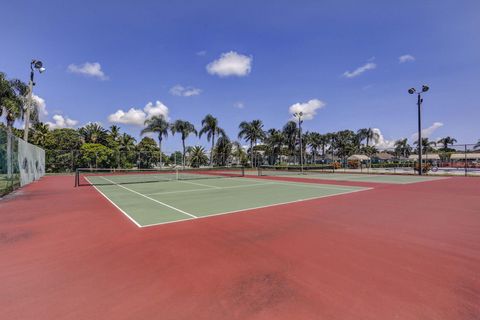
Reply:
x=35 y=64
x=419 y=104
x=299 y=115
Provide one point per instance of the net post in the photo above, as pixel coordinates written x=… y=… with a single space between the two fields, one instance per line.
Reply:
x=176 y=175
x=243 y=171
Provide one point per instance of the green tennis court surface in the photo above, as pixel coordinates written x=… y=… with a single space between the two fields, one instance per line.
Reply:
x=152 y=203
x=377 y=178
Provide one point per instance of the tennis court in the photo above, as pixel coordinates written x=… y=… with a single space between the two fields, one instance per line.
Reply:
x=156 y=197
x=328 y=175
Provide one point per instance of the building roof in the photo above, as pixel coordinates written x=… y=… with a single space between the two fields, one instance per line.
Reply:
x=428 y=156
x=462 y=156
x=383 y=156
x=360 y=157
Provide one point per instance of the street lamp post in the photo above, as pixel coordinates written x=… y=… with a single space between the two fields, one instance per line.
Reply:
x=35 y=64
x=419 y=105
x=299 y=117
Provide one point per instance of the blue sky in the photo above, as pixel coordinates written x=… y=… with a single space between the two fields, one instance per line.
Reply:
x=337 y=60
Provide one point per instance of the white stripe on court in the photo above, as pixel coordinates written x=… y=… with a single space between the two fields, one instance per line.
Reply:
x=259 y=207
x=114 y=204
x=198 y=184
x=196 y=190
x=159 y=202
x=305 y=184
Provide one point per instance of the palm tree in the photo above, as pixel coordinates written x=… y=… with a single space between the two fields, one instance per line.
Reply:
x=197 y=156
x=403 y=148
x=126 y=147
x=446 y=142
x=368 y=134
x=40 y=132
x=114 y=132
x=211 y=128
x=223 y=150
x=427 y=146
x=238 y=152
x=274 y=142
x=93 y=133
x=314 y=141
x=157 y=124
x=251 y=132
x=185 y=128
x=345 y=143
x=290 y=133
x=324 y=140
x=12 y=98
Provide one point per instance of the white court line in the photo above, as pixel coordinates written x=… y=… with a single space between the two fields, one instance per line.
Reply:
x=305 y=184
x=196 y=190
x=198 y=184
x=115 y=205
x=140 y=194
x=259 y=207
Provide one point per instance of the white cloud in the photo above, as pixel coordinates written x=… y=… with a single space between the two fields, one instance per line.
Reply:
x=88 y=69
x=231 y=64
x=136 y=116
x=182 y=91
x=309 y=108
x=61 y=122
x=239 y=105
x=201 y=53
x=381 y=142
x=360 y=70
x=427 y=132
x=41 y=106
x=406 y=58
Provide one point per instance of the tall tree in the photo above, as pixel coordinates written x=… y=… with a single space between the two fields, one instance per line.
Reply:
x=252 y=132
x=315 y=141
x=211 y=128
x=114 y=132
x=223 y=151
x=185 y=128
x=274 y=141
x=446 y=141
x=427 y=145
x=160 y=126
x=367 y=134
x=126 y=148
x=290 y=134
x=12 y=97
x=197 y=156
x=403 y=148
x=40 y=133
x=93 y=133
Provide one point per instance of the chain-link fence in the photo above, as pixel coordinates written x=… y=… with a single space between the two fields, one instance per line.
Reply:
x=9 y=169
x=67 y=161
x=458 y=160
x=20 y=162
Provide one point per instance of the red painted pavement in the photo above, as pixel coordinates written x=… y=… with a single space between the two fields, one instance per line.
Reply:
x=394 y=252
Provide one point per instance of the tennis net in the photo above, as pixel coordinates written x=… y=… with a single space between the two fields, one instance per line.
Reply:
x=266 y=170
x=88 y=177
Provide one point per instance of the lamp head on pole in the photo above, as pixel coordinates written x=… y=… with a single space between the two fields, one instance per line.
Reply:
x=411 y=90
x=425 y=88
x=37 y=64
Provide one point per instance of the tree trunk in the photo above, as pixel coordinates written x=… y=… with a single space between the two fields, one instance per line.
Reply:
x=9 y=151
x=160 y=148
x=183 y=155
x=251 y=151
x=211 y=150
